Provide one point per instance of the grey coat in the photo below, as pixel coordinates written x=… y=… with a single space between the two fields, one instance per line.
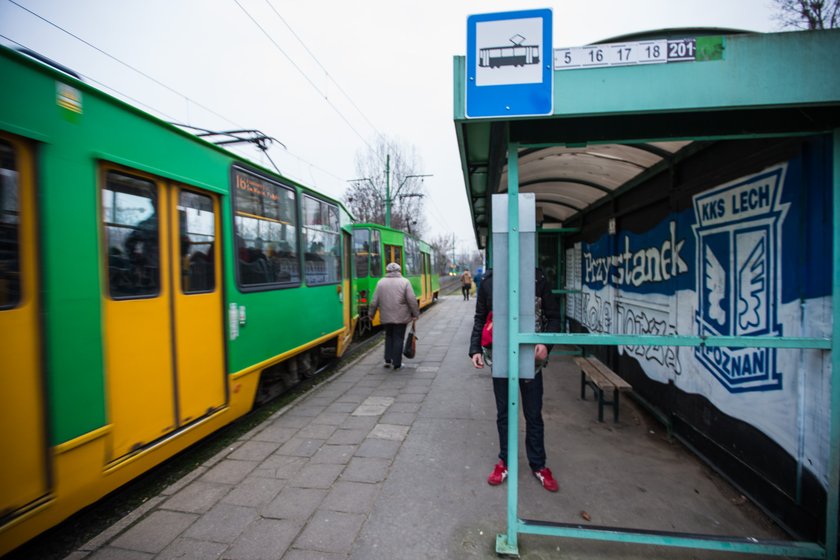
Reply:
x=395 y=300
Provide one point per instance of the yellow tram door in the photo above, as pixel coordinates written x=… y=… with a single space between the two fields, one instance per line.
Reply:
x=136 y=309
x=199 y=334
x=24 y=471
x=427 y=278
x=347 y=248
x=162 y=307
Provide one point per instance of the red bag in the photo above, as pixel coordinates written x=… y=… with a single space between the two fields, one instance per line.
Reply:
x=487 y=332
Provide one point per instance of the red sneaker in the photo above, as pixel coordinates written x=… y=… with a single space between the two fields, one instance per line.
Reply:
x=498 y=475
x=546 y=479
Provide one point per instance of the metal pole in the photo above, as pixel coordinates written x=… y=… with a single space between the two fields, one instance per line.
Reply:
x=388 y=190
x=513 y=348
x=833 y=499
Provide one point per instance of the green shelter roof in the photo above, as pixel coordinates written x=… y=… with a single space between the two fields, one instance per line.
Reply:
x=615 y=127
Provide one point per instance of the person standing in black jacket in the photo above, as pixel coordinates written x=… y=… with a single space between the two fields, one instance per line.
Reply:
x=548 y=320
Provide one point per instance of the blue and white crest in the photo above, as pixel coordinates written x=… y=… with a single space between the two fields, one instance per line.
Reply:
x=738 y=235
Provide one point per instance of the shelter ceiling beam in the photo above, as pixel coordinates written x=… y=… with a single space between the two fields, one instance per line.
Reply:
x=642 y=128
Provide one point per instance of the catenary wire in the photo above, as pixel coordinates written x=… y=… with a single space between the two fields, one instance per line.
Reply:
x=326 y=72
x=302 y=73
x=147 y=76
x=112 y=57
x=97 y=82
x=187 y=98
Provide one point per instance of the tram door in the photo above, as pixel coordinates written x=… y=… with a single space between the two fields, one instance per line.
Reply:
x=24 y=469
x=346 y=273
x=427 y=276
x=162 y=307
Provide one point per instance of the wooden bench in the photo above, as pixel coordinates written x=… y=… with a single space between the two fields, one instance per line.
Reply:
x=603 y=381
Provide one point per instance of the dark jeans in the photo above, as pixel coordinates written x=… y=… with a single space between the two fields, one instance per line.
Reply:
x=532 y=394
x=466 y=291
x=394 y=340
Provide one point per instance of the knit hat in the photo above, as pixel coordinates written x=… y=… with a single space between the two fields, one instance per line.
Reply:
x=392 y=267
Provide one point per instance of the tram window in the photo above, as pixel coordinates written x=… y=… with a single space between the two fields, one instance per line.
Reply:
x=408 y=265
x=393 y=253
x=197 y=225
x=266 y=232
x=375 y=255
x=322 y=259
x=129 y=210
x=361 y=251
x=9 y=228
x=412 y=257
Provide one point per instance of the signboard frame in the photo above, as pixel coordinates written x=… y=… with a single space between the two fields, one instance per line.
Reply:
x=510 y=80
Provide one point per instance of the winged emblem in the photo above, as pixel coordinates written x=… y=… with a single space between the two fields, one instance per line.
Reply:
x=716 y=285
x=752 y=277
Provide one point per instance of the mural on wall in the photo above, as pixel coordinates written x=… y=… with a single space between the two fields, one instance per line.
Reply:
x=747 y=258
x=738 y=232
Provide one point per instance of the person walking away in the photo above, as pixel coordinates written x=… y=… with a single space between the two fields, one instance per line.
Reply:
x=397 y=305
x=548 y=319
x=479 y=274
x=466 y=284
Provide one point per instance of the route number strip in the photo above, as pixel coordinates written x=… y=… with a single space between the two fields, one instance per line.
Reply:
x=657 y=51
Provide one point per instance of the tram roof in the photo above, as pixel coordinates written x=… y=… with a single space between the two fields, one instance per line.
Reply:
x=613 y=128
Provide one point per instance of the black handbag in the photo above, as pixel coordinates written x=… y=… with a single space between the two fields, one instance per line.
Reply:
x=410 y=346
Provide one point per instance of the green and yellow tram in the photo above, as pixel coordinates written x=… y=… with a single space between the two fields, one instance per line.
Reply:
x=153 y=288
x=374 y=246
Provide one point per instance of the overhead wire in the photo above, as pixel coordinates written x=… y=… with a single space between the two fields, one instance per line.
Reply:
x=326 y=72
x=439 y=216
x=338 y=85
x=208 y=109
x=112 y=57
x=304 y=74
x=97 y=82
x=145 y=75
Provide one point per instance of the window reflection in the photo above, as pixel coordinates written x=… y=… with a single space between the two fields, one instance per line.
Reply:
x=197 y=225
x=361 y=251
x=375 y=255
x=411 y=267
x=129 y=210
x=9 y=228
x=322 y=260
x=266 y=231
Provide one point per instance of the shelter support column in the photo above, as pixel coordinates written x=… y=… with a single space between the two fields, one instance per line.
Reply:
x=510 y=544
x=833 y=499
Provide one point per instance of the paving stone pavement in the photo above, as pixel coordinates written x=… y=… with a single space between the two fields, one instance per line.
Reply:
x=378 y=464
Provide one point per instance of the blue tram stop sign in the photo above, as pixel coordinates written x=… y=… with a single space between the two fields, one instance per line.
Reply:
x=509 y=64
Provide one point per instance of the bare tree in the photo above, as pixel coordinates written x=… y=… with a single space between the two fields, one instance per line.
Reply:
x=443 y=246
x=808 y=14
x=366 y=195
x=469 y=260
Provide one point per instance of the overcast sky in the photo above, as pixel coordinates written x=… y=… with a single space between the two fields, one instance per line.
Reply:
x=323 y=77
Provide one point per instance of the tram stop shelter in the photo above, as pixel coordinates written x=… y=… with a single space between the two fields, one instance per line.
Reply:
x=626 y=147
